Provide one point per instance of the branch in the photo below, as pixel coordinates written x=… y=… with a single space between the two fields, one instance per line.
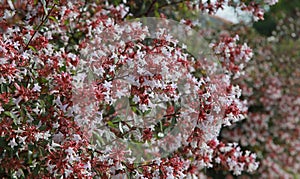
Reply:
x=160 y=7
x=170 y=4
x=44 y=20
x=150 y=7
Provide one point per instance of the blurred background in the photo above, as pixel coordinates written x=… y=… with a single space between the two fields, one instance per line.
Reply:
x=271 y=84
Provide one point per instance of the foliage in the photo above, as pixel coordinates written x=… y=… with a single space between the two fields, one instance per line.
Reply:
x=51 y=122
x=272 y=87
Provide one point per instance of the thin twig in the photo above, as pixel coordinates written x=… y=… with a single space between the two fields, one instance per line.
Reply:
x=44 y=20
x=170 y=4
x=150 y=7
x=160 y=7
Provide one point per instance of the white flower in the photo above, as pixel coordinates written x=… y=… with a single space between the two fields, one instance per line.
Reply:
x=160 y=135
x=120 y=93
x=22 y=139
x=169 y=170
x=1 y=109
x=56 y=125
x=36 y=88
x=68 y=172
x=53 y=144
x=38 y=136
x=16 y=45
x=236 y=91
x=143 y=107
x=88 y=165
x=3 y=60
x=218 y=160
x=50 y=167
x=47 y=135
x=19 y=173
x=58 y=137
x=36 y=110
x=170 y=176
x=2 y=80
x=158 y=161
x=76 y=137
x=61 y=106
x=252 y=166
x=12 y=143
x=107 y=85
x=70 y=151
x=136 y=99
x=217 y=109
x=8 y=14
x=112 y=68
x=16 y=101
x=271 y=2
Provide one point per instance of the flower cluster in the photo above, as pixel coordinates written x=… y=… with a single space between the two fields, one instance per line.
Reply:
x=272 y=89
x=253 y=7
x=67 y=97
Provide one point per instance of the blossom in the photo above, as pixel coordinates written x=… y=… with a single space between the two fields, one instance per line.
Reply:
x=49 y=53
x=12 y=143
x=36 y=88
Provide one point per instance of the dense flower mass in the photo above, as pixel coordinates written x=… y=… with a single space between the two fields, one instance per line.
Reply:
x=67 y=97
x=272 y=88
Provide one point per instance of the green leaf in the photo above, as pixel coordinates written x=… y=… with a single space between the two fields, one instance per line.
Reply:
x=43 y=80
x=3 y=88
x=136 y=110
x=156 y=14
x=11 y=115
x=3 y=141
x=110 y=124
x=8 y=113
x=161 y=125
x=32 y=48
x=53 y=18
x=120 y=127
x=45 y=6
x=63 y=68
x=99 y=139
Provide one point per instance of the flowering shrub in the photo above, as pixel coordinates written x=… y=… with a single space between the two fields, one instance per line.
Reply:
x=271 y=85
x=62 y=65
